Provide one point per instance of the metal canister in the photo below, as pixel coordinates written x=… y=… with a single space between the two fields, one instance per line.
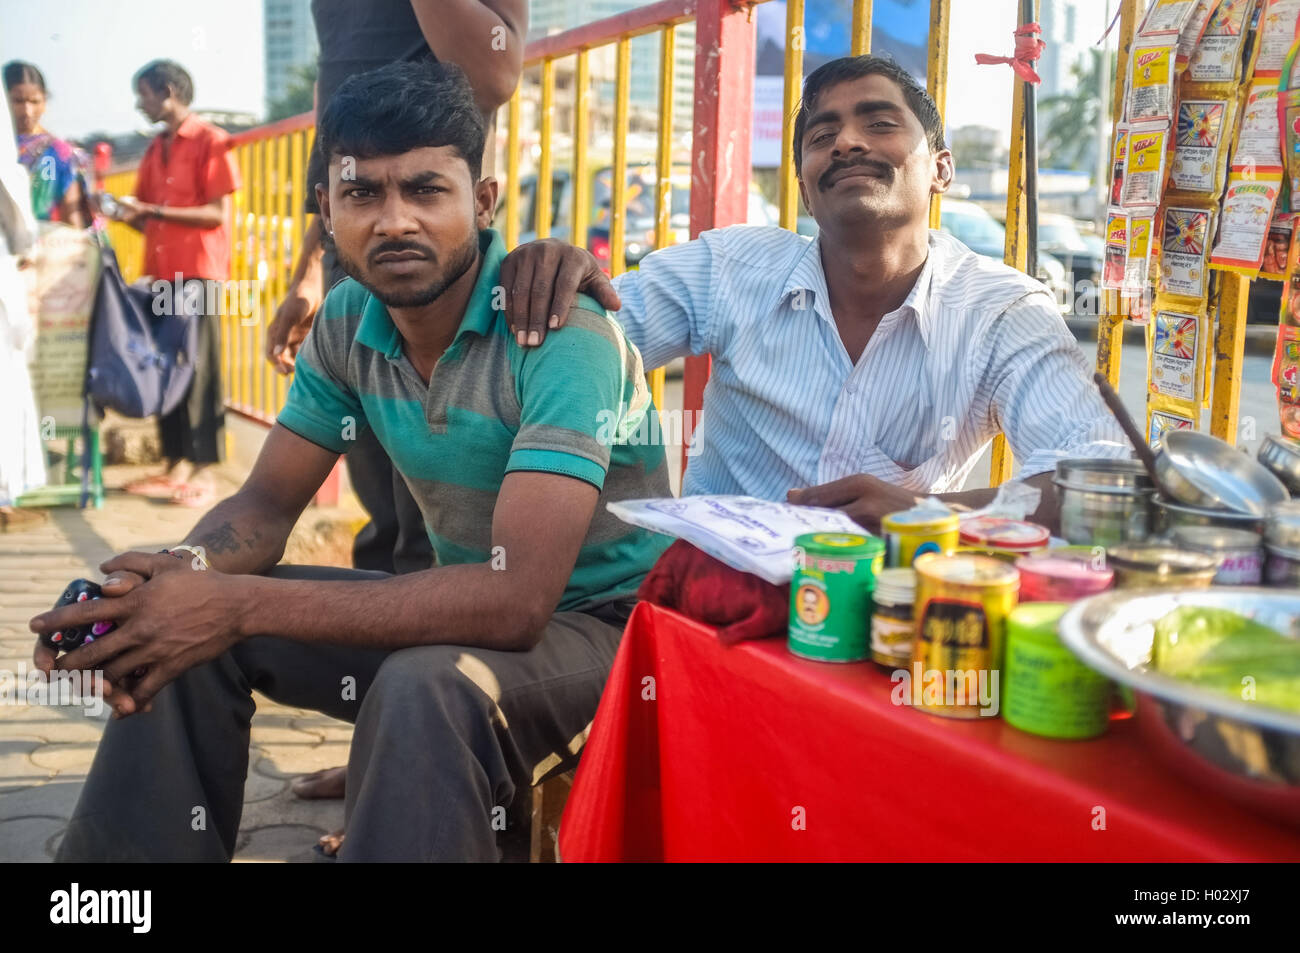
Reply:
x=962 y=602
x=893 y=618
x=830 y=595
x=1046 y=690
x=1014 y=537
x=1138 y=567
x=1281 y=568
x=1240 y=552
x=1103 y=502
x=1282 y=545
x=1167 y=516
x=915 y=532
x=1062 y=576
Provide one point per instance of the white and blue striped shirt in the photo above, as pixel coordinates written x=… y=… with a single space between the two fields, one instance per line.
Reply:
x=976 y=348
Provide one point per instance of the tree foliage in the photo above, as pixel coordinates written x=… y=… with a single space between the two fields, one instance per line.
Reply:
x=298 y=98
x=1069 y=120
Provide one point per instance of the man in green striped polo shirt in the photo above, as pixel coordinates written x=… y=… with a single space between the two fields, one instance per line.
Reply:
x=468 y=682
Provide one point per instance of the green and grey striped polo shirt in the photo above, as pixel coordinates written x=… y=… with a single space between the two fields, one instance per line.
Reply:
x=573 y=406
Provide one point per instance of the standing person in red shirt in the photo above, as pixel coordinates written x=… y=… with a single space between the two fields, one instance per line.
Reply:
x=182 y=204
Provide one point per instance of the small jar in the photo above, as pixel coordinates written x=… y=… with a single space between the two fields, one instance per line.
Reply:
x=1241 y=557
x=1057 y=576
x=893 y=620
x=1046 y=690
x=1161 y=566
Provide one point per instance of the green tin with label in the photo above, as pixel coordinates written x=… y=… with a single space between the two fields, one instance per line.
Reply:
x=830 y=595
x=1046 y=690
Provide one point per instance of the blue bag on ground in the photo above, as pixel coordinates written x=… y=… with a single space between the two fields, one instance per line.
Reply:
x=142 y=343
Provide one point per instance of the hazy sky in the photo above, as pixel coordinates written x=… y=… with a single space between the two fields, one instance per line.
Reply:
x=89 y=49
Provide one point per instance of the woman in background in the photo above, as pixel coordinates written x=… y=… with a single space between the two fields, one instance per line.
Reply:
x=22 y=458
x=55 y=166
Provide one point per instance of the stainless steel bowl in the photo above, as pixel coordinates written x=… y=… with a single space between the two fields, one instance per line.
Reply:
x=1167 y=515
x=1244 y=751
x=1281 y=455
x=1103 y=502
x=1201 y=470
x=1282 y=528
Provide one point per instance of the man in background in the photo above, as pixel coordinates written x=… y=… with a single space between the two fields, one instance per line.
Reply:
x=182 y=204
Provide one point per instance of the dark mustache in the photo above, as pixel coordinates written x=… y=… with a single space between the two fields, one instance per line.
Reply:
x=884 y=171
x=399 y=247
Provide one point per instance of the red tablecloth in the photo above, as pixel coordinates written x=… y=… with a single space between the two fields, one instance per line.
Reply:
x=700 y=752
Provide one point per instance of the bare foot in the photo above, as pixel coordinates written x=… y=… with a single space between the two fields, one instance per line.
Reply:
x=324 y=784
x=330 y=843
x=13 y=519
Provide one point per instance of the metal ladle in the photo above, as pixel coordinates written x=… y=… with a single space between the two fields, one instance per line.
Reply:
x=1140 y=446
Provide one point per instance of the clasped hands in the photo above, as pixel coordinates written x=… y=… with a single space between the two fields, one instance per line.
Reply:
x=169 y=615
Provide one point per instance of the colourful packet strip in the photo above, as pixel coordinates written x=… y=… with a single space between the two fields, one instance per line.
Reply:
x=1248 y=206
x=1258 y=139
x=1144 y=164
x=1151 y=80
x=1184 y=249
x=1176 y=342
x=1277 y=32
x=1193 y=31
x=1201 y=135
x=1217 y=58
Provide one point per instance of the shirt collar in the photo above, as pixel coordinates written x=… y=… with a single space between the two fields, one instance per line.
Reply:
x=809 y=275
x=378 y=332
x=189 y=127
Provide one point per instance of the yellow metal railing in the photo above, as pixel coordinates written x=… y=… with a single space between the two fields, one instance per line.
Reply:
x=267 y=225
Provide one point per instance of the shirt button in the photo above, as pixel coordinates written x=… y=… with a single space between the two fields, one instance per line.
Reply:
x=851 y=389
x=169 y=180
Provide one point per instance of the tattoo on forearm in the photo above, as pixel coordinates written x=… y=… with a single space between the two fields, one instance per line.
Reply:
x=225 y=539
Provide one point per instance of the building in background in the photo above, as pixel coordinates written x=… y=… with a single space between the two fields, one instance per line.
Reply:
x=290 y=44
x=555 y=16
x=1066 y=46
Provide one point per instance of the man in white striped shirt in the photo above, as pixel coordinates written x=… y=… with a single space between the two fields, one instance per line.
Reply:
x=867 y=367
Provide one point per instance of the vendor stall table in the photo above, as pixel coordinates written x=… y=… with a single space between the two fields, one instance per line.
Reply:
x=700 y=752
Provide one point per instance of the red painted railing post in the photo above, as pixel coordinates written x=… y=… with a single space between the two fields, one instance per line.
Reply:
x=724 y=103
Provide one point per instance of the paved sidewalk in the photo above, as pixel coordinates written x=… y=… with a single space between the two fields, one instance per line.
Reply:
x=45 y=751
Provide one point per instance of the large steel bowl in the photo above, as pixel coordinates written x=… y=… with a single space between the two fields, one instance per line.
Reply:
x=1281 y=456
x=1199 y=469
x=1247 y=752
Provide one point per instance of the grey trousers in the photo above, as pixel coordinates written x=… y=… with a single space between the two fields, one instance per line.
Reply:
x=445 y=737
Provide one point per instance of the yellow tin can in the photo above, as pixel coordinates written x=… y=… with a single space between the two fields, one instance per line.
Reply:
x=915 y=532
x=962 y=604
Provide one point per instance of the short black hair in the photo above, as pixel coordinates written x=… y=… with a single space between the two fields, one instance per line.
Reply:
x=164 y=74
x=848 y=68
x=16 y=72
x=403 y=106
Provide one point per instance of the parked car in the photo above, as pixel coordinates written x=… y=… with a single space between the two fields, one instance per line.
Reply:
x=1060 y=237
x=640 y=203
x=979 y=231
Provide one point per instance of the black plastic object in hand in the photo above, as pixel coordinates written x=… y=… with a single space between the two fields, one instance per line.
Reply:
x=73 y=637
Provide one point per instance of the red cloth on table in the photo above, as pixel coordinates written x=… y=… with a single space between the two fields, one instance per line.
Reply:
x=704 y=752
x=702 y=588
